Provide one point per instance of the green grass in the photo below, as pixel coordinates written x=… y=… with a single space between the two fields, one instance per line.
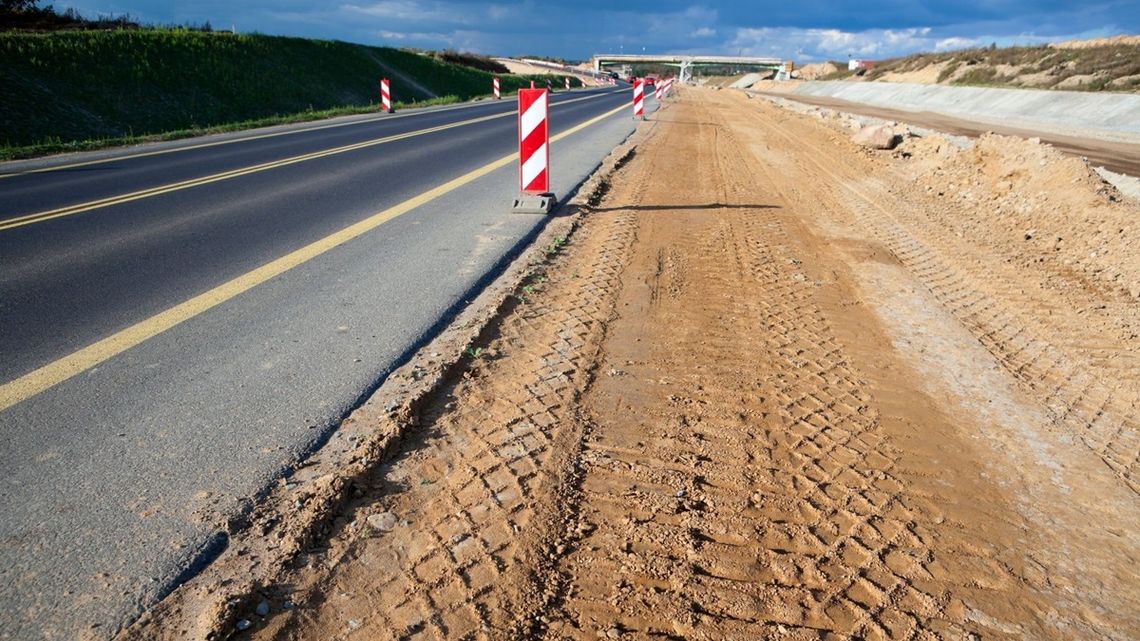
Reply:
x=75 y=90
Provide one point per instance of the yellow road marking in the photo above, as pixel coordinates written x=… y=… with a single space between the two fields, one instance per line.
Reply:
x=56 y=372
x=71 y=210
x=275 y=134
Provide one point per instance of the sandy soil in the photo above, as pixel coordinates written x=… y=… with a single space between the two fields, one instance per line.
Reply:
x=773 y=386
x=816 y=70
x=927 y=75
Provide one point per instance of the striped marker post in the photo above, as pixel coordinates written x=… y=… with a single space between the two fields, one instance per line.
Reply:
x=534 y=153
x=567 y=83
x=658 y=90
x=495 y=87
x=638 y=99
x=385 y=95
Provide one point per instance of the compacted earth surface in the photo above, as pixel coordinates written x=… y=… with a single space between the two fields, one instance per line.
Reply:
x=774 y=385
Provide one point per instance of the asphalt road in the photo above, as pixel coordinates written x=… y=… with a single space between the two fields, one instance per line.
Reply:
x=121 y=472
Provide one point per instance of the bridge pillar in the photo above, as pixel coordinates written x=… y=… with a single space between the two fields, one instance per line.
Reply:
x=686 y=73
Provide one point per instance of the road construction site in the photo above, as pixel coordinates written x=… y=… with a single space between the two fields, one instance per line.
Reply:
x=756 y=381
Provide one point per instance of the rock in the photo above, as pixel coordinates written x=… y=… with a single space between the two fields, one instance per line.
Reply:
x=244 y=625
x=876 y=137
x=262 y=609
x=383 y=522
x=613 y=633
x=1134 y=291
x=1030 y=234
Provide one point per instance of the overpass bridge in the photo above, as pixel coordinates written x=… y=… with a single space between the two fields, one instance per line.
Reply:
x=684 y=62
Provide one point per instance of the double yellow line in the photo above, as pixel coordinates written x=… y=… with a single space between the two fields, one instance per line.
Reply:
x=71 y=210
x=54 y=373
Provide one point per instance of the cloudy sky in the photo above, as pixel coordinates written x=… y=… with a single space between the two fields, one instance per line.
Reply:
x=804 y=30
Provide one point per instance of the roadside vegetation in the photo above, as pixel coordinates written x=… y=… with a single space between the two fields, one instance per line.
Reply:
x=73 y=88
x=1111 y=66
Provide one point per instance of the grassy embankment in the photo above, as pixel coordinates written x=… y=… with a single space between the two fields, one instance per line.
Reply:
x=75 y=90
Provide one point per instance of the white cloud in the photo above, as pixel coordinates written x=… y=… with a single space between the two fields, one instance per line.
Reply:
x=835 y=44
x=703 y=32
x=955 y=42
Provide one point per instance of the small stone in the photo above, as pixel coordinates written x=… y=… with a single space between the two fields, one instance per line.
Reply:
x=1030 y=234
x=613 y=633
x=876 y=137
x=244 y=625
x=288 y=605
x=262 y=609
x=383 y=522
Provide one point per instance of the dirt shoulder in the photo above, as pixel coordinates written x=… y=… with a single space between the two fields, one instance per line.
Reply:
x=771 y=387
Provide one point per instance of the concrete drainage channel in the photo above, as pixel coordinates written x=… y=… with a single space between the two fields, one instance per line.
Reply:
x=302 y=507
x=1105 y=116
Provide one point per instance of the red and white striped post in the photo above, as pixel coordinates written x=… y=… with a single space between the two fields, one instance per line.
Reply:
x=638 y=99
x=385 y=95
x=534 y=153
x=658 y=90
x=495 y=87
x=567 y=83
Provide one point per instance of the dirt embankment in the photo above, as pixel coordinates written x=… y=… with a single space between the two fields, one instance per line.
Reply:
x=774 y=386
x=1111 y=64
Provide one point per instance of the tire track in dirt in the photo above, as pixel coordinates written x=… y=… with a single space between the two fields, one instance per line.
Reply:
x=752 y=503
x=1068 y=543
x=475 y=491
x=1061 y=361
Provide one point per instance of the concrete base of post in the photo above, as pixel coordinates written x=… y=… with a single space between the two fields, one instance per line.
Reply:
x=534 y=204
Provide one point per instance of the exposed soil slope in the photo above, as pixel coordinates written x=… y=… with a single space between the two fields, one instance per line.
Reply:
x=1108 y=64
